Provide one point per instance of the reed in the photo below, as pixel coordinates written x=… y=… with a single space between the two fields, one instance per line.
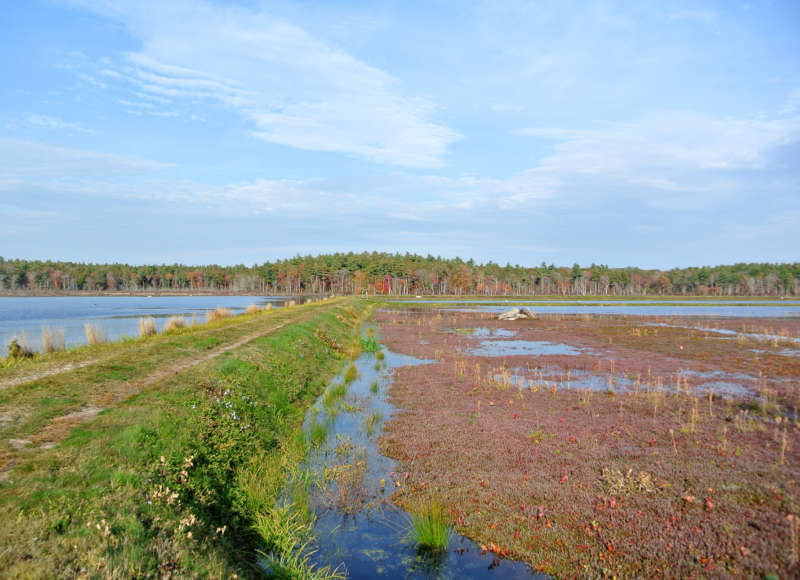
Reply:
x=218 y=314
x=94 y=334
x=52 y=340
x=174 y=323
x=252 y=309
x=147 y=326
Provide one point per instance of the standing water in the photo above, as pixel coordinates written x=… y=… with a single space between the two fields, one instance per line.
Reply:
x=357 y=527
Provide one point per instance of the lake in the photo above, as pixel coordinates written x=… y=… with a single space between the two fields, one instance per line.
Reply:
x=118 y=316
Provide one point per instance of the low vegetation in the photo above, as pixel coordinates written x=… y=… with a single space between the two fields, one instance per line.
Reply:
x=181 y=478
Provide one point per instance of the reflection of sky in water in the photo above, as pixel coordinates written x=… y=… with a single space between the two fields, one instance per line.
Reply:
x=370 y=542
x=523 y=348
x=548 y=376
x=118 y=316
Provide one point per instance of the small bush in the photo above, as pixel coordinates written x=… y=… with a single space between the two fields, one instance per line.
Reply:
x=147 y=326
x=19 y=348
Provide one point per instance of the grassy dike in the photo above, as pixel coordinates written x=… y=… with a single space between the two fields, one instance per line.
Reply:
x=181 y=479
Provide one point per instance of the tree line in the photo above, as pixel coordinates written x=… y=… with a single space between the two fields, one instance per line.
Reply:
x=399 y=274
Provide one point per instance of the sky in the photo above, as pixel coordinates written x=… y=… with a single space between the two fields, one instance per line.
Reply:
x=653 y=134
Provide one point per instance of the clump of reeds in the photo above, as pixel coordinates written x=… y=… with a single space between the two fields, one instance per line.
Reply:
x=195 y=322
x=350 y=374
x=147 y=326
x=94 y=334
x=252 y=309
x=218 y=314
x=174 y=323
x=268 y=306
x=52 y=340
x=429 y=527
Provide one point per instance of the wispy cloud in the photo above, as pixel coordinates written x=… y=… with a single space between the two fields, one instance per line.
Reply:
x=675 y=152
x=46 y=122
x=294 y=89
x=28 y=162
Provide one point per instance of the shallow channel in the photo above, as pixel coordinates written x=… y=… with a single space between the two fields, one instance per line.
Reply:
x=357 y=527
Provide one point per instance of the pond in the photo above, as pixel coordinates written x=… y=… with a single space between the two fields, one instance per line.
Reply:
x=357 y=527
x=117 y=316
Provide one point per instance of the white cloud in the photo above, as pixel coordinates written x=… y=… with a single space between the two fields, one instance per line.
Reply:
x=48 y=122
x=25 y=162
x=295 y=89
x=676 y=152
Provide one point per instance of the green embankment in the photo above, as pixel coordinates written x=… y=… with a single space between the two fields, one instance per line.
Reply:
x=171 y=481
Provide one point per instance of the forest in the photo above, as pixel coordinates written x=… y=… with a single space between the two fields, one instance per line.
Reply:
x=398 y=274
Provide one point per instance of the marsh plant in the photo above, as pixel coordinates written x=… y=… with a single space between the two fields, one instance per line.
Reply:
x=52 y=340
x=147 y=326
x=350 y=374
x=94 y=334
x=218 y=314
x=429 y=528
x=252 y=309
x=174 y=323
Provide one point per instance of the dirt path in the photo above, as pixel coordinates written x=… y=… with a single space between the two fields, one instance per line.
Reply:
x=42 y=373
x=59 y=427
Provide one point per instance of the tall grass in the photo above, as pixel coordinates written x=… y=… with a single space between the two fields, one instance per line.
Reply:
x=174 y=323
x=94 y=334
x=52 y=340
x=147 y=326
x=252 y=309
x=218 y=314
x=429 y=528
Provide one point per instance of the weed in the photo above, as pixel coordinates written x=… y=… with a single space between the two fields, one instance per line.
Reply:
x=94 y=334
x=350 y=374
x=429 y=528
x=218 y=314
x=372 y=421
x=52 y=341
x=369 y=344
x=252 y=309
x=374 y=387
x=18 y=348
x=174 y=323
x=147 y=326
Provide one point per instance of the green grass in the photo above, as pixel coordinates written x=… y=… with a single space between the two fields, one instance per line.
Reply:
x=369 y=344
x=176 y=479
x=429 y=529
x=350 y=374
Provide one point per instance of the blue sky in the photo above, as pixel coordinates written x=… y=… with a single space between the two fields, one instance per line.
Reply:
x=656 y=134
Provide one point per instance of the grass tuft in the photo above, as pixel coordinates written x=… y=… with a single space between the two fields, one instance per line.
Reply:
x=429 y=528
x=218 y=314
x=174 y=323
x=147 y=326
x=94 y=334
x=52 y=341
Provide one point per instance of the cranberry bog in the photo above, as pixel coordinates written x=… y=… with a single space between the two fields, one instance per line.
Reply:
x=598 y=445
